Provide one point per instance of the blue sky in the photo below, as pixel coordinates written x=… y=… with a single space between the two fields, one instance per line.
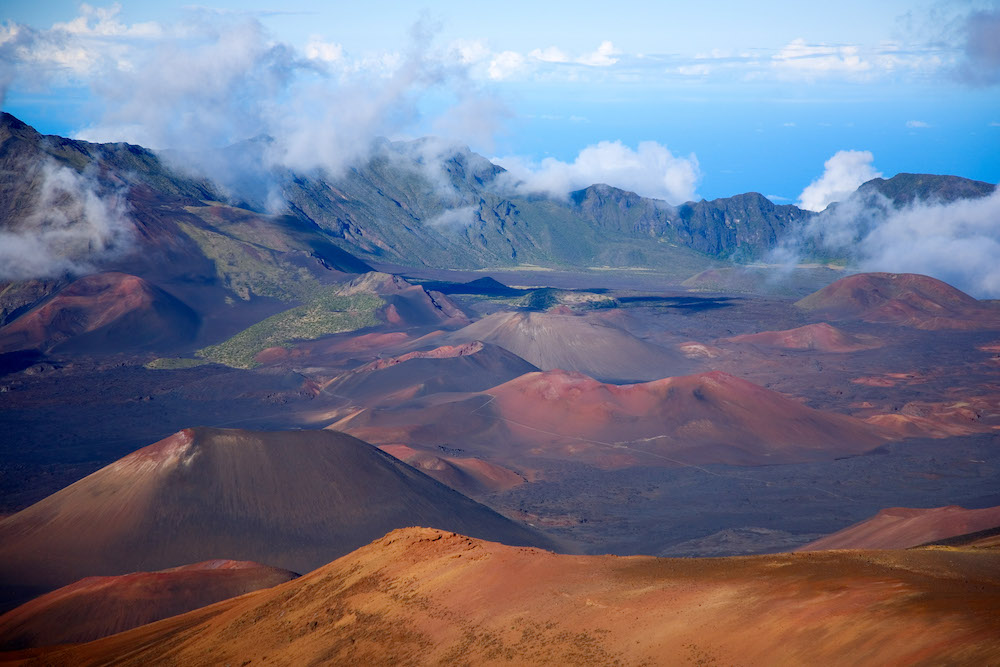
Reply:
x=737 y=97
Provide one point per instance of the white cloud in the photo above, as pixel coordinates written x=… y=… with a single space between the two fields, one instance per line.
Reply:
x=71 y=51
x=470 y=52
x=474 y=119
x=956 y=242
x=917 y=124
x=604 y=56
x=843 y=173
x=72 y=224
x=103 y=22
x=811 y=60
x=220 y=79
x=328 y=52
x=505 y=65
x=694 y=70
x=455 y=217
x=207 y=89
x=551 y=54
x=651 y=171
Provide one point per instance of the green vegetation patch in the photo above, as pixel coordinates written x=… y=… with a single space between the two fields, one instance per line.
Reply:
x=326 y=313
x=174 y=363
x=248 y=269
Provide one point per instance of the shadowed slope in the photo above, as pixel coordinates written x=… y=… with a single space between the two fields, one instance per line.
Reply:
x=819 y=337
x=903 y=527
x=575 y=343
x=103 y=312
x=906 y=299
x=421 y=596
x=96 y=607
x=468 y=367
x=706 y=418
x=295 y=499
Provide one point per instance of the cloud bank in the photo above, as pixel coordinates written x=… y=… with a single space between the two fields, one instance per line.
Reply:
x=842 y=175
x=650 y=170
x=214 y=79
x=72 y=225
x=956 y=242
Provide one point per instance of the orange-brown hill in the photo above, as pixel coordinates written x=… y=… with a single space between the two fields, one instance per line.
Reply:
x=906 y=299
x=575 y=343
x=103 y=312
x=707 y=418
x=466 y=367
x=96 y=607
x=421 y=596
x=292 y=499
x=467 y=475
x=903 y=527
x=819 y=337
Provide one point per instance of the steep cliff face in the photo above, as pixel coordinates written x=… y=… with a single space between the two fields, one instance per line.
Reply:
x=742 y=227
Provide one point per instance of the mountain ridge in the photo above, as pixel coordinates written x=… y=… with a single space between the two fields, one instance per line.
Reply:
x=419 y=203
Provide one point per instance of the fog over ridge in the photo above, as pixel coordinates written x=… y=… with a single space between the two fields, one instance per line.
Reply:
x=75 y=222
x=957 y=242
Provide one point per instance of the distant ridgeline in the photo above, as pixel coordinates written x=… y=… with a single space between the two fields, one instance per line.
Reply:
x=398 y=207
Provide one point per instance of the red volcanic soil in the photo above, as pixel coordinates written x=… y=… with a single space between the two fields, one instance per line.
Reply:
x=103 y=312
x=443 y=352
x=294 y=499
x=420 y=596
x=820 y=337
x=100 y=606
x=942 y=419
x=335 y=348
x=707 y=418
x=408 y=304
x=906 y=299
x=575 y=343
x=903 y=527
x=470 y=476
x=452 y=368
